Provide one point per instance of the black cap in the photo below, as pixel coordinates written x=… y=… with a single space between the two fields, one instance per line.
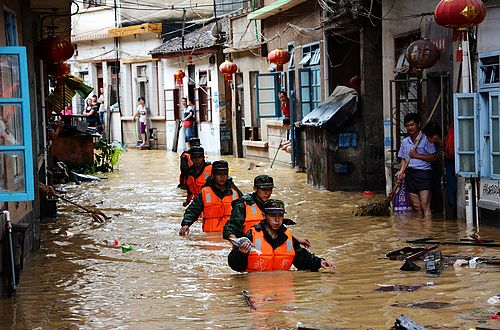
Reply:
x=197 y=151
x=274 y=206
x=263 y=181
x=194 y=142
x=220 y=167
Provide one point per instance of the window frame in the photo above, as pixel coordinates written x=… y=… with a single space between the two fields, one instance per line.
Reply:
x=494 y=176
x=176 y=107
x=10 y=17
x=308 y=52
x=27 y=147
x=279 y=79
x=481 y=73
x=458 y=133
x=313 y=102
x=198 y=113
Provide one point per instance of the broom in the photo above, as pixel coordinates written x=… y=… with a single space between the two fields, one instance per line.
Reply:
x=97 y=215
x=383 y=208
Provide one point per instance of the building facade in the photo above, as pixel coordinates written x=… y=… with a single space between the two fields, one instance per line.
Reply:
x=23 y=91
x=464 y=86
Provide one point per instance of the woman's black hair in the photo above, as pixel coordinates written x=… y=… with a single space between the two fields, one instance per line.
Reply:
x=432 y=129
x=141 y=98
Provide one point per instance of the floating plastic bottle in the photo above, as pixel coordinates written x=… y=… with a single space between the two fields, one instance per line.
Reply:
x=126 y=248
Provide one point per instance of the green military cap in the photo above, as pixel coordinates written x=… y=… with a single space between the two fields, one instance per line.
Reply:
x=194 y=142
x=197 y=151
x=220 y=167
x=263 y=181
x=274 y=206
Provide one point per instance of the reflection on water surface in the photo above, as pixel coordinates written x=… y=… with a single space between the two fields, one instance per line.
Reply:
x=79 y=280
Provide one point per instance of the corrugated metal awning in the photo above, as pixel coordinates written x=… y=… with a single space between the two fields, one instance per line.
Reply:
x=273 y=9
x=335 y=110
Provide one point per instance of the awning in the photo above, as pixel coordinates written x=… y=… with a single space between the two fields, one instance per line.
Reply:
x=273 y=9
x=335 y=110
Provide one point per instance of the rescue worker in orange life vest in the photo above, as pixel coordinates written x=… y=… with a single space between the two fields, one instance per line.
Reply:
x=185 y=163
x=214 y=200
x=197 y=174
x=279 y=248
x=248 y=210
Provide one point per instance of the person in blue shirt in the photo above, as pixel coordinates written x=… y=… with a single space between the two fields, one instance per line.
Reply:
x=418 y=175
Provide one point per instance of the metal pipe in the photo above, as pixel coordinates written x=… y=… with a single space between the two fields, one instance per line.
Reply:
x=11 y=250
x=44 y=123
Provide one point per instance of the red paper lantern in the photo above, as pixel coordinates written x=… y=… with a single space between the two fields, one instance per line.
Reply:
x=279 y=57
x=179 y=75
x=422 y=54
x=228 y=68
x=459 y=15
x=58 y=69
x=53 y=49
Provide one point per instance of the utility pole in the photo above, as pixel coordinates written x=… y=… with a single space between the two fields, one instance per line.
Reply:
x=117 y=72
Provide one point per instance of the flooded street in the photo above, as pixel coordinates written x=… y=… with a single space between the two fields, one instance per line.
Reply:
x=79 y=280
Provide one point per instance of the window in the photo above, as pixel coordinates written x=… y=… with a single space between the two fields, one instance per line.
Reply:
x=310 y=55
x=203 y=78
x=93 y=3
x=268 y=86
x=224 y=7
x=494 y=114
x=10 y=27
x=16 y=159
x=203 y=103
x=489 y=67
x=291 y=50
x=310 y=89
x=466 y=135
x=172 y=106
x=310 y=78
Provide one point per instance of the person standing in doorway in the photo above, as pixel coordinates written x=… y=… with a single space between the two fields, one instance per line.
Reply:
x=418 y=174
x=90 y=113
x=142 y=113
x=102 y=109
x=187 y=120
x=285 y=104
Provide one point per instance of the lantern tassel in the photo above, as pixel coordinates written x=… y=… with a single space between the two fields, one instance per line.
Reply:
x=460 y=35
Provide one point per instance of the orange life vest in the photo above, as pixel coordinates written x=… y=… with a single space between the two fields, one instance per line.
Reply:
x=279 y=259
x=195 y=184
x=253 y=215
x=216 y=211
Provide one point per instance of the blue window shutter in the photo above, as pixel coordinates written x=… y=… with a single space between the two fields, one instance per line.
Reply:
x=305 y=93
x=465 y=107
x=22 y=148
x=268 y=86
x=494 y=133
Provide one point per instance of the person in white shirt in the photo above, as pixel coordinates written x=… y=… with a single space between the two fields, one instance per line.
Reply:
x=141 y=112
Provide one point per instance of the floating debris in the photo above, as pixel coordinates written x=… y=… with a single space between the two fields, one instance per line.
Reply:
x=424 y=304
x=398 y=287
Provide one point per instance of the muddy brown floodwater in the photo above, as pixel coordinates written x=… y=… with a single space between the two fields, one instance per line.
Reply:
x=77 y=280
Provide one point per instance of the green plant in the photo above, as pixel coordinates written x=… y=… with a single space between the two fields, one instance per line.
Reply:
x=107 y=155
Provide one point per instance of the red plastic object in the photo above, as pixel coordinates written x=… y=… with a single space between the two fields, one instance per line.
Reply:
x=367 y=193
